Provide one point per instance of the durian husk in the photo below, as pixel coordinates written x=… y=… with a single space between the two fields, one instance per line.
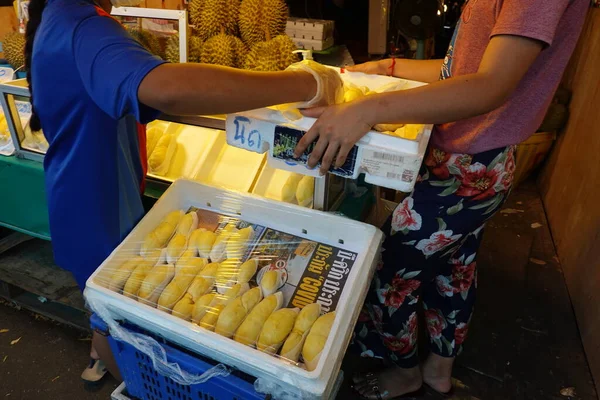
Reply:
x=260 y=20
x=276 y=330
x=225 y=50
x=234 y=313
x=249 y=330
x=13 y=46
x=195 y=8
x=273 y=55
x=293 y=345
x=218 y=16
x=140 y=273
x=219 y=303
x=194 y=48
x=148 y=40
x=316 y=339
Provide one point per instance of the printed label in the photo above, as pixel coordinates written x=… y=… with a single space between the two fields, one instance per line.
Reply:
x=389 y=165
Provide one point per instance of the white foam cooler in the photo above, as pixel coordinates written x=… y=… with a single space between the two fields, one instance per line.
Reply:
x=327 y=229
x=386 y=160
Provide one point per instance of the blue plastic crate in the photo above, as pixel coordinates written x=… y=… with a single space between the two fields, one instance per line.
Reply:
x=145 y=383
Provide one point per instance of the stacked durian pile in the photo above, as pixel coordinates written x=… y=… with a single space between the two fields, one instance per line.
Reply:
x=248 y=34
x=160 y=149
x=198 y=275
x=13 y=46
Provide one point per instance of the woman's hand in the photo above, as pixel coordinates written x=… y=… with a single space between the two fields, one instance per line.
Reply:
x=381 y=67
x=337 y=129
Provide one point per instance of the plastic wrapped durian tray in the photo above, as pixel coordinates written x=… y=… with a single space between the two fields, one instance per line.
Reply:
x=388 y=159
x=270 y=288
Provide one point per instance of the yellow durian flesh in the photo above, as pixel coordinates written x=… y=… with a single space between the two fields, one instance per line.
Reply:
x=183 y=308
x=316 y=339
x=289 y=188
x=238 y=242
x=139 y=274
x=176 y=247
x=188 y=223
x=205 y=242
x=227 y=275
x=218 y=252
x=204 y=282
x=152 y=136
x=234 y=313
x=160 y=154
x=276 y=329
x=352 y=94
x=193 y=241
x=306 y=318
x=305 y=192
x=158 y=238
x=219 y=303
x=247 y=270
x=155 y=282
x=184 y=275
x=122 y=273
x=249 y=330
x=270 y=282
x=201 y=306
x=388 y=127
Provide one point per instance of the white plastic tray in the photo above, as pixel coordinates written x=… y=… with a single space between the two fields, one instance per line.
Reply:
x=386 y=160
x=322 y=227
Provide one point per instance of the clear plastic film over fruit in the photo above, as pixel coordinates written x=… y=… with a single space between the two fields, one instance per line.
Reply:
x=266 y=289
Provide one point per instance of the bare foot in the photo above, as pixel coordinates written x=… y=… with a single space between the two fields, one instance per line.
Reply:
x=437 y=373
x=388 y=383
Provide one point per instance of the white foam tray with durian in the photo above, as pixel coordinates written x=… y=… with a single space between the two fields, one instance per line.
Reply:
x=200 y=280
x=390 y=155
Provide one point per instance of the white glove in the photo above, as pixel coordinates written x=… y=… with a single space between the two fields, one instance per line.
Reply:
x=330 y=87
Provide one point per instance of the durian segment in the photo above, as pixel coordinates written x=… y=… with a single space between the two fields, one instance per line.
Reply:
x=352 y=93
x=185 y=273
x=261 y=20
x=225 y=50
x=200 y=307
x=290 y=187
x=4 y=132
x=293 y=345
x=410 y=132
x=193 y=242
x=158 y=238
x=156 y=281
x=316 y=339
x=183 y=308
x=233 y=315
x=188 y=223
x=247 y=270
x=140 y=273
x=204 y=242
x=388 y=127
x=219 y=303
x=238 y=242
x=249 y=330
x=176 y=247
x=194 y=48
x=13 y=46
x=218 y=252
x=152 y=136
x=227 y=275
x=201 y=285
x=121 y=275
x=218 y=16
x=273 y=55
x=276 y=330
x=160 y=159
x=305 y=192
x=271 y=281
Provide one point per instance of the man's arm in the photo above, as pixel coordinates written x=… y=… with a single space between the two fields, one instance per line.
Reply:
x=340 y=127
x=415 y=70
x=185 y=89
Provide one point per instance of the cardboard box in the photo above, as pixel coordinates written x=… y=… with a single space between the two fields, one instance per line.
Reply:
x=313 y=29
x=316 y=45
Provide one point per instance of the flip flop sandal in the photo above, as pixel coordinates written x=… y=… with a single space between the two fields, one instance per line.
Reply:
x=94 y=372
x=373 y=381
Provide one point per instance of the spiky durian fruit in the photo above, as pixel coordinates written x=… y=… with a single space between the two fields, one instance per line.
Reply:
x=13 y=46
x=218 y=16
x=225 y=50
x=194 y=49
x=148 y=40
x=261 y=20
x=273 y=55
x=195 y=8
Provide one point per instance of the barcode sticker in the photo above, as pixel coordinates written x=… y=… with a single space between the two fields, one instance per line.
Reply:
x=394 y=166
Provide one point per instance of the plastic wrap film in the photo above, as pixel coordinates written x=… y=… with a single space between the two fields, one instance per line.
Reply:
x=246 y=277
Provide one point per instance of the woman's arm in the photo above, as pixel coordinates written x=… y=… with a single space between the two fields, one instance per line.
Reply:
x=209 y=89
x=415 y=70
x=340 y=127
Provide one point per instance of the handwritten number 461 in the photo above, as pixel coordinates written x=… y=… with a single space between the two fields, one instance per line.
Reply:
x=254 y=138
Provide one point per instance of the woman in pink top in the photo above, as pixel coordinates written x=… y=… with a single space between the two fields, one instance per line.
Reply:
x=502 y=68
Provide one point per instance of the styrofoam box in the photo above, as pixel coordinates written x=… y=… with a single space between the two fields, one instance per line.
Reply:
x=322 y=227
x=310 y=44
x=386 y=160
x=316 y=29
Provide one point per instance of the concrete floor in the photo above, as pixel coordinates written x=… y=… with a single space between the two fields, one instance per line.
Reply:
x=523 y=345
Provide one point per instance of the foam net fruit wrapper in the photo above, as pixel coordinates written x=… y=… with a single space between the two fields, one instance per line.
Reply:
x=266 y=289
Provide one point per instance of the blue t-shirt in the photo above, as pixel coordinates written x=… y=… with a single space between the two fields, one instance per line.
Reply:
x=86 y=71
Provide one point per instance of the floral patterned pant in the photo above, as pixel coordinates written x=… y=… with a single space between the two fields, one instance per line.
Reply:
x=429 y=256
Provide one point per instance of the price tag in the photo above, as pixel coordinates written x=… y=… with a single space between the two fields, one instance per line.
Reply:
x=6 y=74
x=392 y=166
x=247 y=133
